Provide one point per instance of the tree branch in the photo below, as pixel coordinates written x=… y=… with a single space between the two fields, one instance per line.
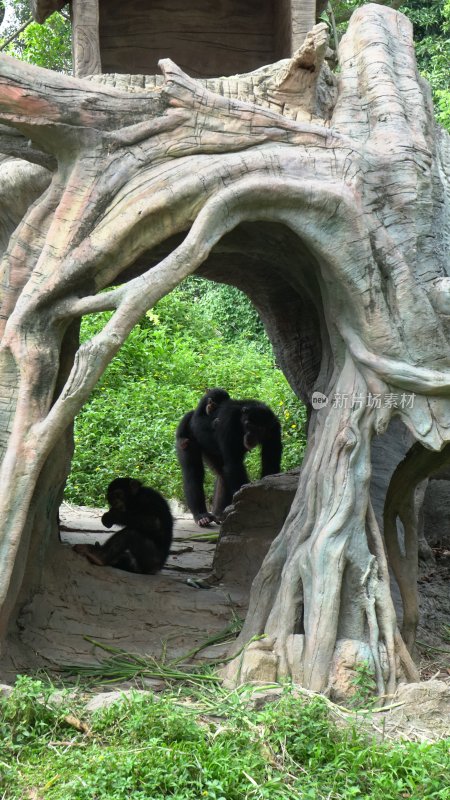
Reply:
x=16 y=145
x=16 y=33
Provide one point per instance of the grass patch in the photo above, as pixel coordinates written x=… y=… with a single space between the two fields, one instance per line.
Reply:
x=120 y=665
x=207 y=743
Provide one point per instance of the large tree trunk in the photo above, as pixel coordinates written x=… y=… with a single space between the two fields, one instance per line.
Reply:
x=344 y=222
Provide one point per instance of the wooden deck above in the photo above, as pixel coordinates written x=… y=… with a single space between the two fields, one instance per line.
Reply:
x=206 y=38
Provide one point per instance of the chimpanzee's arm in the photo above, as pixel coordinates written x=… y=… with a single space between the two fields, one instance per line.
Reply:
x=183 y=434
x=235 y=476
x=220 y=499
x=193 y=477
x=127 y=550
x=271 y=449
x=114 y=516
x=230 y=438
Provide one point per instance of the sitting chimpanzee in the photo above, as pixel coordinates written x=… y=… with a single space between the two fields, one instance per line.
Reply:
x=219 y=432
x=144 y=543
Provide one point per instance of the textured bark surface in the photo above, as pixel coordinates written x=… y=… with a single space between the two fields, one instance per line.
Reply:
x=85 y=38
x=330 y=209
x=258 y=513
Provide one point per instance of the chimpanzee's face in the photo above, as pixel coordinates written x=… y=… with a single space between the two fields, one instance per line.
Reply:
x=252 y=438
x=121 y=492
x=210 y=406
x=252 y=433
x=254 y=425
x=116 y=499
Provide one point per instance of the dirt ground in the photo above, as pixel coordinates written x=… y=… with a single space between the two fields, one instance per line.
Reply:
x=163 y=614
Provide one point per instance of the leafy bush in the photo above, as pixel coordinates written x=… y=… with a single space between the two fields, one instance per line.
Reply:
x=29 y=713
x=171 y=357
x=47 y=45
x=190 y=744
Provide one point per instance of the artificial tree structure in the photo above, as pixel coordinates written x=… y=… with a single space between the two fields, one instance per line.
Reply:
x=328 y=204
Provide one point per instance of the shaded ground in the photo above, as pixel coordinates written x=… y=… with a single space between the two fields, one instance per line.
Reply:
x=162 y=615
x=158 y=614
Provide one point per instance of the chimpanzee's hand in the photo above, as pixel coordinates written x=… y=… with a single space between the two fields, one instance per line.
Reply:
x=108 y=519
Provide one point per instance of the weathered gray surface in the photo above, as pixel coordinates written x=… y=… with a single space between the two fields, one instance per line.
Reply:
x=148 y=613
x=85 y=37
x=260 y=510
x=236 y=36
x=422 y=713
x=22 y=183
x=298 y=79
x=258 y=513
x=388 y=449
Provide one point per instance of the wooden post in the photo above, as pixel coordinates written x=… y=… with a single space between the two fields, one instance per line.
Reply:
x=303 y=19
x=86 y=45
x=293 y=20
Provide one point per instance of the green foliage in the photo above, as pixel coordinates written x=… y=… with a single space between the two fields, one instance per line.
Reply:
x=439 y=65
x=171 y=357
x=364 y=686
x=426 y=16
x=231 y=316
x=47 y=45
x=431 y=22
x=28 y=714
x=343 y=9
x=208 y=744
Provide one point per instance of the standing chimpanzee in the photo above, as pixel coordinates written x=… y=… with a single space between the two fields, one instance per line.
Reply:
x=198 y=423
x=219 y=432
x=196 y=442
x=144 y=543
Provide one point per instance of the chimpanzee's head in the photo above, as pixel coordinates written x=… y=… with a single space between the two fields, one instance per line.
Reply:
x=121 y=491
x=256 y=423
x=214 y=397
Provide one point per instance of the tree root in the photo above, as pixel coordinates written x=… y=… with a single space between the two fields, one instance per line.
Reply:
x=418 y=464
x=330 y=540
